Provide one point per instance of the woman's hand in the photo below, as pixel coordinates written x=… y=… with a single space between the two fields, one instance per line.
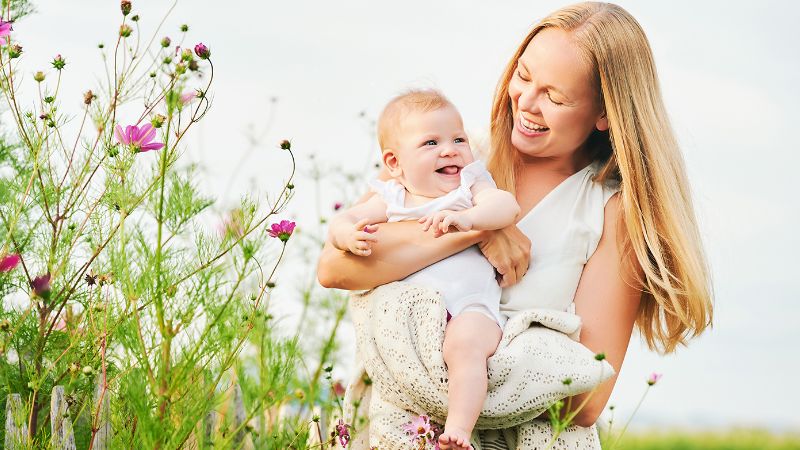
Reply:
x=509 y=251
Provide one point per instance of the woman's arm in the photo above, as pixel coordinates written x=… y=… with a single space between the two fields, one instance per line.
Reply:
x=607 y=302
x=402 y=248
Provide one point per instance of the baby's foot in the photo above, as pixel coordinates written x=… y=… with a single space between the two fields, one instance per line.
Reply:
x=454 y=438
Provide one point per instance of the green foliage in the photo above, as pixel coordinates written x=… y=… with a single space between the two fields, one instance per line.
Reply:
x=730 y=440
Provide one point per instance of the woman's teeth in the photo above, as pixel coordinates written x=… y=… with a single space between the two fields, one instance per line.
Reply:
x=530 y=126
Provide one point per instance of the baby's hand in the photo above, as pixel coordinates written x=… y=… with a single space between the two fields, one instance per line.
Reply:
x=444 y=219
x=359 y=240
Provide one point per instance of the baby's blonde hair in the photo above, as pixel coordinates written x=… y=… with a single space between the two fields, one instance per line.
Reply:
x=413 y=100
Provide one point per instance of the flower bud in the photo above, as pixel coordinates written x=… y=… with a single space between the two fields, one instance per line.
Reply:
x=58 y=62
x=5 y=325
x=166 y=41
x=184 y=28
x=38 y=76
x=186 y=55
x=101 y=45
x=14 y=51
x=193 y=66
x=125 y=30
x=49 y=99
x=167 y=60
x=180 y=68
x=157 y=121
x=286 y=145
x=125 y=6
x=202 y=51
x=135 y=18
x=74 y=368
x=88 y=96
x=270 y=284
x=87 y=370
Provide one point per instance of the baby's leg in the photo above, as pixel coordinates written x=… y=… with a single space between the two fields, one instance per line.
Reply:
x=469 y=340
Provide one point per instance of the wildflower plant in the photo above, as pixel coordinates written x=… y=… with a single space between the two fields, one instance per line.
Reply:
x=112 y=284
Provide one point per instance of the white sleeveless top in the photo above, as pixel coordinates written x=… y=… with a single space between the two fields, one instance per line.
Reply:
x=465 y=280
x=564 y=229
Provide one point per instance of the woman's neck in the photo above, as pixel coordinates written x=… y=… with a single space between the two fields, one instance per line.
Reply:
x=557 y=166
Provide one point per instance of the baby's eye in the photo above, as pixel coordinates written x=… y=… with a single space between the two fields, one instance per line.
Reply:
x=430 y=142
x=459 y=140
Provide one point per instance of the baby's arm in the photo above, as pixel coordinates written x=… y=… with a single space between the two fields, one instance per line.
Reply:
x=351 y=230
x=494 y=209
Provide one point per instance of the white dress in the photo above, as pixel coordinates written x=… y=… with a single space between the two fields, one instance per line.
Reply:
x=465 y=280
x=564 y=229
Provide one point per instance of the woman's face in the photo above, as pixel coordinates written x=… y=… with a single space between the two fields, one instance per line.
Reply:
x=554 y=102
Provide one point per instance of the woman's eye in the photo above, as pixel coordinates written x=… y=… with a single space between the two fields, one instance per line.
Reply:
x=519 y=74
x=430 y=142
x=551 y=99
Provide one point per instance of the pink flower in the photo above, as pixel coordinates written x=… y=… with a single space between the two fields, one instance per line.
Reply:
x=202 y=51
x=653 y=378
x=421 y=429
x=342 y=432
x=187 y=97
x=282 y=230
x=41 y=285
x=9 y=262
x=140 y=139
x=338 y=389
x=337 y=206
x=5 y=28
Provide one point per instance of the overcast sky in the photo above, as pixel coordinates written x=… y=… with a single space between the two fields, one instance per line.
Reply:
x=729 y=73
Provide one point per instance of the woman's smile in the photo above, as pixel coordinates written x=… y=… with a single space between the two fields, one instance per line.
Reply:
x=531 y=129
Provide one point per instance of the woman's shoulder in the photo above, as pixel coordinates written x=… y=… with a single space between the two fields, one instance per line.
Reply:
x=606 y=188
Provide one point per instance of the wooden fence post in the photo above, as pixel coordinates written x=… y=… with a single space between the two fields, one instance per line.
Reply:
x=16 y=423
x=62 y=435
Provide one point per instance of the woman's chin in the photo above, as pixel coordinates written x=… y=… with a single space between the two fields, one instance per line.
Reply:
x=526 y=145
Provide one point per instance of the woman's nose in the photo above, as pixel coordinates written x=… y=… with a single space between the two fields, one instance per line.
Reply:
x=529 y=100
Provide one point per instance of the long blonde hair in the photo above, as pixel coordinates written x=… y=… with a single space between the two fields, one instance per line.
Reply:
x=641 y=152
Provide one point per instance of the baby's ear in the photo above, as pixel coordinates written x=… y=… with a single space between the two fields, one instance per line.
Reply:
x=392 y=163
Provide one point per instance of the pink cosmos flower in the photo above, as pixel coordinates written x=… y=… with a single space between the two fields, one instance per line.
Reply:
x=5 y=28
x=9 y=262
x=188 y=96
x=338 y=389
x=343 y=432
x=420 y=429
x=202 y=51
x=653 y=378
x=282 y=230
x=41 y=285
x=140 y=139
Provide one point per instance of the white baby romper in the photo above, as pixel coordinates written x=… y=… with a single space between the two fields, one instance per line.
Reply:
x=465 y=280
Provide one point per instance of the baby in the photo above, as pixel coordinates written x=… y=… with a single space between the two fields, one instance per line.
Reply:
x=436 y=181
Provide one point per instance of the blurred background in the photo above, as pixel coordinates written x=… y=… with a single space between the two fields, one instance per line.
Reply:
x=318 y=73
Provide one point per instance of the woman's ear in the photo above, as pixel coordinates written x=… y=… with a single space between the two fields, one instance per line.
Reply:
x=391 y=163
x=602 y=122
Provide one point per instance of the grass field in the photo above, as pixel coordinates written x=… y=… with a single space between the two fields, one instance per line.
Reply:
x=731 y=440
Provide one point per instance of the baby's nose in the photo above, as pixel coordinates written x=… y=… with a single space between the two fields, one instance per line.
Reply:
x=449 y=150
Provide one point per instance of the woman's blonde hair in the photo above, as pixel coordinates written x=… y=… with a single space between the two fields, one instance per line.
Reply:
x=641 y=152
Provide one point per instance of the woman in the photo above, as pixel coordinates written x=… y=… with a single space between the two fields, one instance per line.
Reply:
x=580 y=135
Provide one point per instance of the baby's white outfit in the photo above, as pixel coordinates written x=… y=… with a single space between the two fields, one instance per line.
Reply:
x=465 y=280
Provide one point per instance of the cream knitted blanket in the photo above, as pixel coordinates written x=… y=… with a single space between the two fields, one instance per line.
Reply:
x=399 y=334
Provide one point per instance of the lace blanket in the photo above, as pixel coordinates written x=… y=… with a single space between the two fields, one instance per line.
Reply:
x=399 y=334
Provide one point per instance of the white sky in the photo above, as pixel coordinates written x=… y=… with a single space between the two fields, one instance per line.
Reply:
x=729 y=73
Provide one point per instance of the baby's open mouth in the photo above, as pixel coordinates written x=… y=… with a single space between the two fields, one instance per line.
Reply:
x=449 y=170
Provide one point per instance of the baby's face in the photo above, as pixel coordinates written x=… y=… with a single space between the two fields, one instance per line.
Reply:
x=432 y=148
